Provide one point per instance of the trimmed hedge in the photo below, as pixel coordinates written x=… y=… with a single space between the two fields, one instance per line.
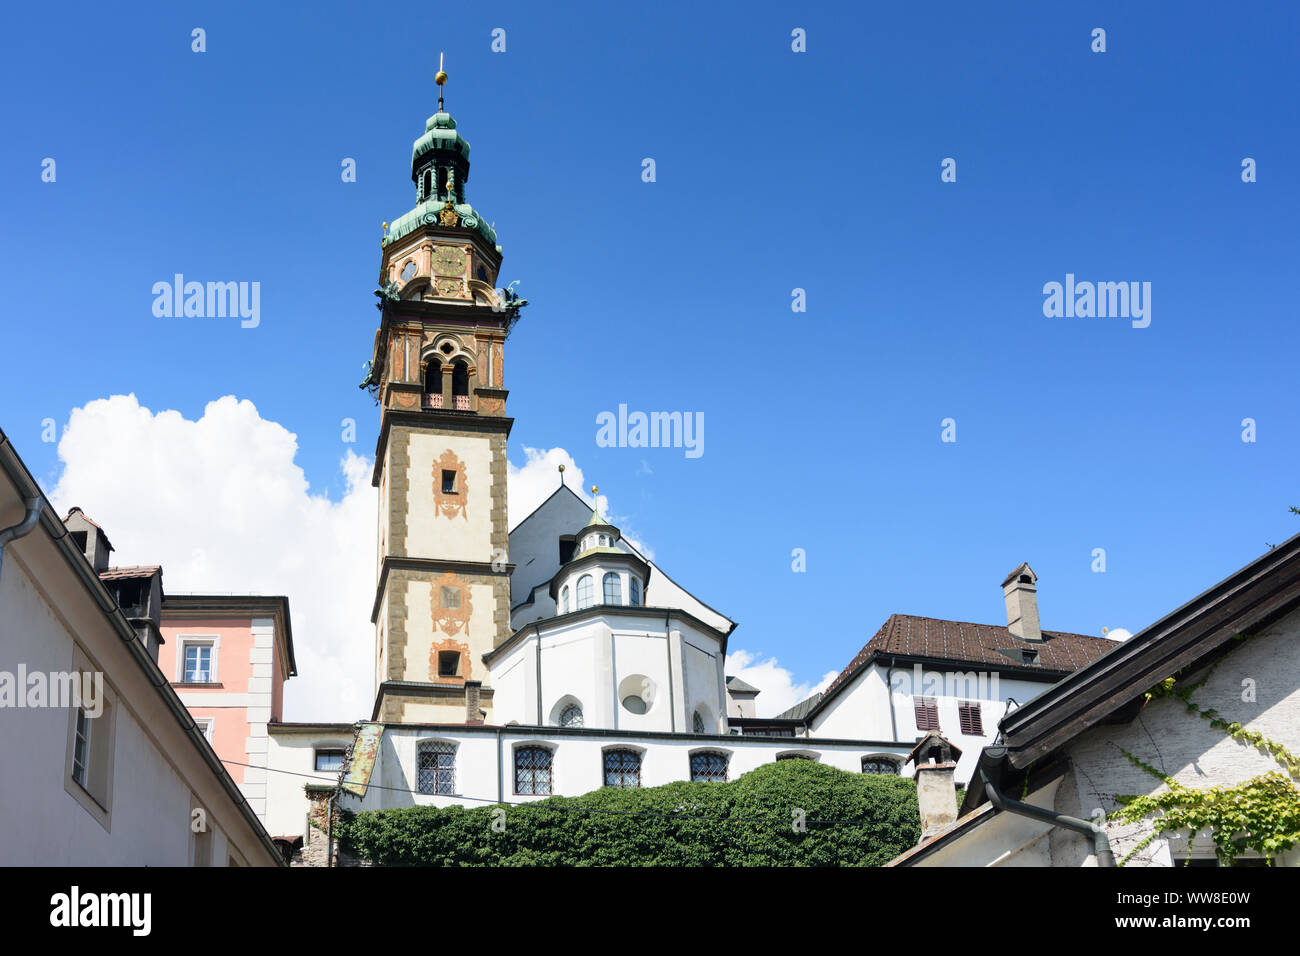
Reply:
x=852 y=820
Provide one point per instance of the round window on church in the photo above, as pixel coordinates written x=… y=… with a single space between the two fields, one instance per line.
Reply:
x=634 y=704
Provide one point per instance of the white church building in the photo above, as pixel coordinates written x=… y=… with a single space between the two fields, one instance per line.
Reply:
x=554 y=657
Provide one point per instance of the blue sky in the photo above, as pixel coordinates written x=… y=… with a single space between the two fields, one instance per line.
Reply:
x=775 y=170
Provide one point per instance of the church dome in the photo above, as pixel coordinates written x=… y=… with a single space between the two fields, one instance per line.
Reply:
x=439 y=156
x=439 y=135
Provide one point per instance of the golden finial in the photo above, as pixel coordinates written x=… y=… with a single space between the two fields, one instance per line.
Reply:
x=384 y=225
x=594 y=489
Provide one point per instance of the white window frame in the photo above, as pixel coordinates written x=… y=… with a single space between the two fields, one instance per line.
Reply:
x=316 y=752
x=206 y=724
x=213 y=641
x=94 y=791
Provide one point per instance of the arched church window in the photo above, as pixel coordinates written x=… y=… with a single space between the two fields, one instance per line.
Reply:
x=709 y=766
x=585 y=597
x=564 y=599
x=428 y=185
x=436 y=767
x=571 y=716
x=622 y=768
x=532 y=770
x=634 y=588
x=697 y=723
x=613 y=589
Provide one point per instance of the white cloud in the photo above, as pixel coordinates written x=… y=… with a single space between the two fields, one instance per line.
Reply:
x=778 y=690
x=528 y=485
x=221 y=505
x=1118 y=634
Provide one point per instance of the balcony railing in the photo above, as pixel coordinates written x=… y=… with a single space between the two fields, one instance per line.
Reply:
x=434 y=400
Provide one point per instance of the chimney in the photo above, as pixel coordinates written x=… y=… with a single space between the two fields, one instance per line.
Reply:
x=935 y=760
x=1022 y=604
x=90 y=538
x=472 y=713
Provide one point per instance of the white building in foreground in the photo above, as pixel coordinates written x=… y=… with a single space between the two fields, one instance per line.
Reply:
x=119 y=774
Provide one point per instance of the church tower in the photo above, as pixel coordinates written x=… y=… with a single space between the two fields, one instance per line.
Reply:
x=442 y=595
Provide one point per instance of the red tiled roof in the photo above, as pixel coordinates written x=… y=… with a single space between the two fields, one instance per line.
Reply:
x=909 y=636
x=135 y=571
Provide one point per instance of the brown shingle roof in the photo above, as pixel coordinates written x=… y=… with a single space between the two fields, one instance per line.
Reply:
x=966 y=643
x=135 y=571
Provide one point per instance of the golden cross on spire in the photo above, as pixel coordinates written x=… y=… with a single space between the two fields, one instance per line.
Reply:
x=440 y=78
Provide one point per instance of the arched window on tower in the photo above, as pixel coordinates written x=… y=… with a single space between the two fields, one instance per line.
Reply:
x=635 y=590
x=613 y=589
x=433 y=384
x=460 y=385
x=585 y=597
x=564 y=599
x=427 y=191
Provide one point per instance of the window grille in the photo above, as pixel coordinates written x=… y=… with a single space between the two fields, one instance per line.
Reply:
x=532 y=770
x=622 y=768
x=709 y=767
x=437 y=767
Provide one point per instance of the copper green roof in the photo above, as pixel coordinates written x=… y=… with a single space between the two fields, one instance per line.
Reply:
x=439 y=133
x=426 y=214
x=440 y=137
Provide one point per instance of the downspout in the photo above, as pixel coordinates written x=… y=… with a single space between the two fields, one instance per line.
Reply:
x=22 y=528
x=500 y=771
x=537 y=652
x=889 y=684
x=329 y=831
x=668 y=648
x=1100 y=842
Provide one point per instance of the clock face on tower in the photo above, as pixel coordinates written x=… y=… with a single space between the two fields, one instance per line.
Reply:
x=448 y=261
x=449 y=288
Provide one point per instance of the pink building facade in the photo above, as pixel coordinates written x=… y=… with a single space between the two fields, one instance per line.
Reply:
x=227 y=658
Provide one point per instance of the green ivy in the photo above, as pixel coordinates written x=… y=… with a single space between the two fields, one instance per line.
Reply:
x=851 y=820
x=1262 y=814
